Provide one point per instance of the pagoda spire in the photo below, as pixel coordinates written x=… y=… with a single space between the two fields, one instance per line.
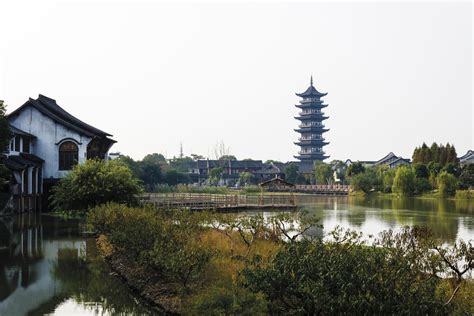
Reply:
x=311 y=80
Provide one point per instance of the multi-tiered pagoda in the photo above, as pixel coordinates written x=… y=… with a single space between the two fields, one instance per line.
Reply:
x=311 y=129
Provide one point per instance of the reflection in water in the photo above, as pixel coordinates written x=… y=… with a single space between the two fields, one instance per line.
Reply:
x=449 y=220
x=46 y=267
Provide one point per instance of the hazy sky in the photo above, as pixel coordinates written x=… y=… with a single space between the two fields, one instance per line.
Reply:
x=157 y=75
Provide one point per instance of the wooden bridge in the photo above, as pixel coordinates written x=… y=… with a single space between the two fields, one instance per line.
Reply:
x=326 y=189
x=221 y=202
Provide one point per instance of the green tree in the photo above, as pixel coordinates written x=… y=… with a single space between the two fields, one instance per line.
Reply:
x=227 y=157
x=133 y=165
x=362 y=182
x=323 y=173
x=215 y=175
x=291 y=173
x=387 y=181
x=151 y=170
x=466 y=178
x=404 y=181
x=355 y=168
x=421 y=170
x=246 y=178
x=447 y=184
x=5 y=135
x=95 y=182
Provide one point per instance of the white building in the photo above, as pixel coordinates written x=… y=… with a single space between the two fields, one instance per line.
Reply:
x=47 y=142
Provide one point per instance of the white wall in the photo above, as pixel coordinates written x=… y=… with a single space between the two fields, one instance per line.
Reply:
x=48 y=134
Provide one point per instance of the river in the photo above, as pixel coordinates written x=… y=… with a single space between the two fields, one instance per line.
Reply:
x=49 y=267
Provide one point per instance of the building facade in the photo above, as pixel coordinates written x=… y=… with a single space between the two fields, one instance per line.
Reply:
x=311 y=128
x=47 y=142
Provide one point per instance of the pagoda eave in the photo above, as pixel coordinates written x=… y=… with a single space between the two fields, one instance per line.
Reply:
x=311 y=129
x=311 y=105
x=311 y=117
x=311 y=142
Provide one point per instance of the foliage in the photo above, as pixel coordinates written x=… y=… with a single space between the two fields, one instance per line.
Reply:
x=421 y=170
x=362 y=182
x=93 y=183
x=291 y=173
x=246 y=178
x=323 y=173
x=464 y=195
x=5 y=135
x=447 y=184
x=215 y=175
x=345 y=276
x=387 y=180
x=355 y=168
x=227 y=157
x=466 y=177
x=436 y=153
x=404 y=181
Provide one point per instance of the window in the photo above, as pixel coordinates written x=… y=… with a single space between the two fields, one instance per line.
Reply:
x=68 y=155
x=17 y=143
x=26 y=145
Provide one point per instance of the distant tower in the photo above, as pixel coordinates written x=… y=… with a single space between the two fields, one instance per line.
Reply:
x=311 y=129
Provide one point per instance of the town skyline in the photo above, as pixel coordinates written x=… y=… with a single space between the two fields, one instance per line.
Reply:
x=212 y=79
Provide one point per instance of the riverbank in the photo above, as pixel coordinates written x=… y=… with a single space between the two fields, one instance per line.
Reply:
x=461 y=195
x=160 y=296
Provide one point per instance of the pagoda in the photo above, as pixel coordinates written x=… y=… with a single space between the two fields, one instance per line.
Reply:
x=311 y=128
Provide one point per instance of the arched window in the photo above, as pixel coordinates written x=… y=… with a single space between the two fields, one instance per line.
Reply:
x=68 y=155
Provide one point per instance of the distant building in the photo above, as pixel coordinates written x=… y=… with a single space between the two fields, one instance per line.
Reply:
x=311 y=128
x=199 y=170
x=47 y=142
x=467 y=158
x=391 y=160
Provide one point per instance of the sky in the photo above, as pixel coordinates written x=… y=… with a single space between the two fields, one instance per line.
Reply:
x=157 y=75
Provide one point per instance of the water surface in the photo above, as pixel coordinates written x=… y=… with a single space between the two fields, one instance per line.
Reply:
x=48 y=267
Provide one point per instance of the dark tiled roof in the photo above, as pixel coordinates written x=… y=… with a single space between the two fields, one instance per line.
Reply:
x=311 y=91
x=276 y=180
x=467 y=155
x=17 y=131
x=20 y=162
x=390 y=155
x=50 y=108
x=246 y=164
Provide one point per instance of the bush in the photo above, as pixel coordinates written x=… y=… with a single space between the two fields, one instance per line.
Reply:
x=447 y=184
x=167 y=242
x=464 y=194
x=93 y=183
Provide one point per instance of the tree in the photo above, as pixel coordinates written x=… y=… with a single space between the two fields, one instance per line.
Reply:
x=421 y=170
x=215 y=175
x=362 y=182
x=133 y=165
x=197 y=157
x=387 y=181
x=323 y=173
x=291 y=173
x=151 y=170
x=227 y=157
x=95 y=182
x=355 y=168
x=466 y=178
x=5 y=135
x=404 y=181
x=246 y=178
x=447 y=184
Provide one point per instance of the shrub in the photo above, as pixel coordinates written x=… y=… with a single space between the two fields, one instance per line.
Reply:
x=464 y=194
x=447 y=184
x=93 y=183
